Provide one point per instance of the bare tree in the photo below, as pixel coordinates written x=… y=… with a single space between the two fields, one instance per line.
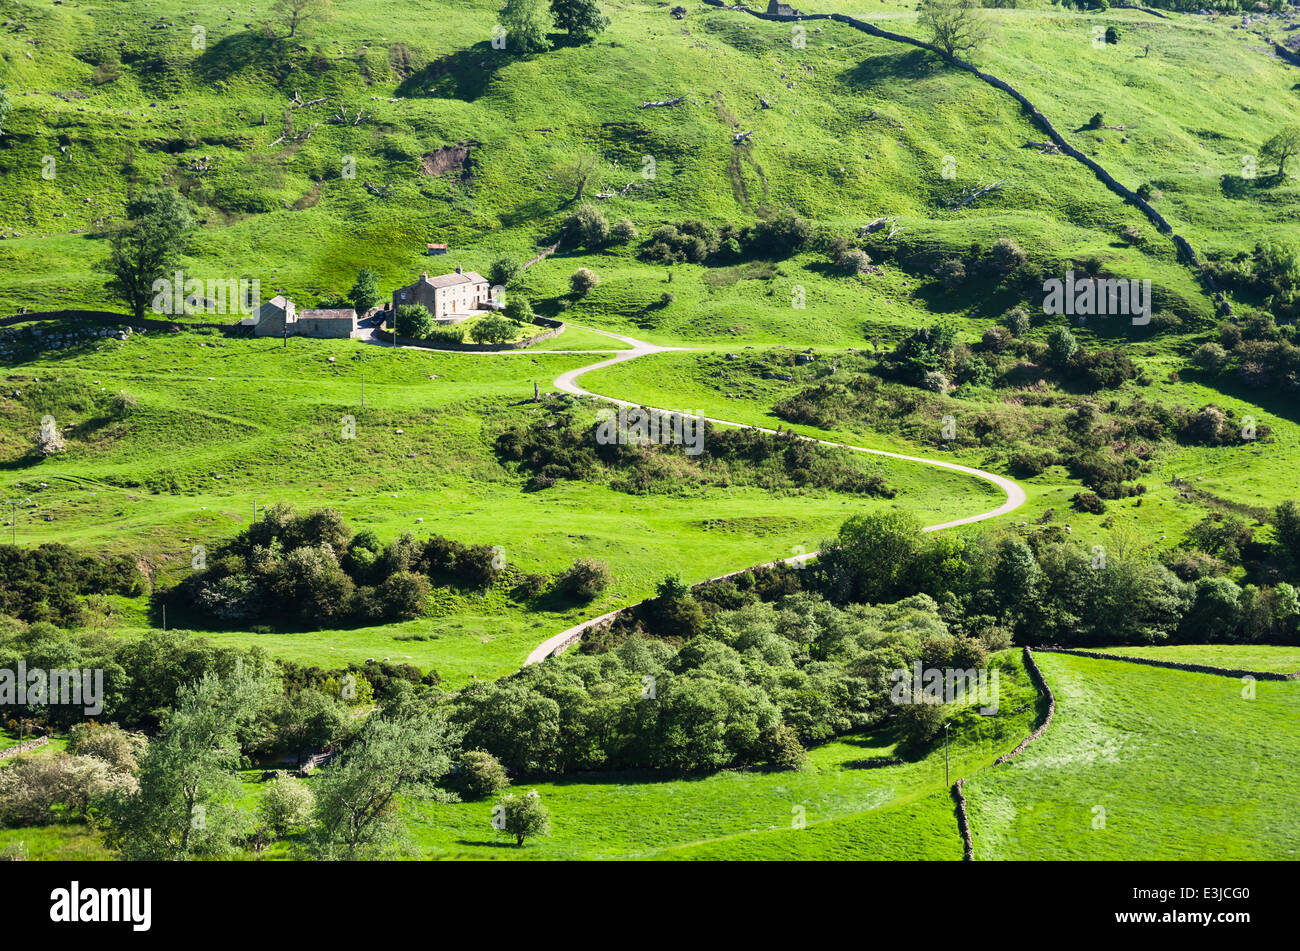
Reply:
x=298 y=12
x=578 y=172
x=955 y=26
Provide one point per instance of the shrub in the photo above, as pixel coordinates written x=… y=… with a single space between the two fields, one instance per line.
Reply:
x=519 y=310
x=286 y=806
x=1089 y=502
x=997 y=339
x=779 y=747
x=1112 y=35
x=585 y=579
x=108 y=742
x=935 y=381
x=1096 y=122
x=504 y=270
x=1017 y=321
x=623 y=232
x=589 y=226
x=481 y=775
x=412 y=320
x=493 y=329
x=582 y=281
x=920 y=721
x=1005 y=257
x=853 y=261
x=1210 y=357
x=1061 y=346
x=523 y=817
x=401 y=595
x=123 y=404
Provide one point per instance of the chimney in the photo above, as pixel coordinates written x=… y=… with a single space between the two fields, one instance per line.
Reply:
x=458 y=269
x=424 y=277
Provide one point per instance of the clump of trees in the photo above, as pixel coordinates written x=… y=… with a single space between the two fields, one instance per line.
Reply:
x=525 y=22
x=566 y=451
x=698 y=242
x=46 y=583
x=1269 y=274
x=310 y=569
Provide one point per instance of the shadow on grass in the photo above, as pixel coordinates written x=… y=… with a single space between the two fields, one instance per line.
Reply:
x=1236 y=186
x=463 y=74
x=915 y=64
x=488 y=843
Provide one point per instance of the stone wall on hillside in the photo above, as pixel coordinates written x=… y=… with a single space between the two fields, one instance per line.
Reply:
x=1175 y=665
x=1041 y=683
x=1184 y=246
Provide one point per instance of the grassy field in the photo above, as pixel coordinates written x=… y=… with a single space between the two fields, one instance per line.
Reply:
x=848 y=812
x=1143 y=763
x=219 y=425
x=1275 y=659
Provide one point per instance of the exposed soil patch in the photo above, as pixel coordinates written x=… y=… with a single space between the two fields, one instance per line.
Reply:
x=449 y=158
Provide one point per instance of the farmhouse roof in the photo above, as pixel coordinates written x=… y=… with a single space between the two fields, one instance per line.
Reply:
x=452 y=280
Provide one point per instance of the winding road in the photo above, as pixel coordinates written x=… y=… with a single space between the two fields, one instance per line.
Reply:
x=567 y=382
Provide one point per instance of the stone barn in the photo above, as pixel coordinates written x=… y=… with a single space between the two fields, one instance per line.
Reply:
x=279 y=317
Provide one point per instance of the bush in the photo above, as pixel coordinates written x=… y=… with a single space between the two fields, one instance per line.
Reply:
x=779 y=747
x=110 y=743
x=1088 y=502
x=481 y=775
x=412 y=320
x=523 y=817
x=493 y=329
x=588 y=226
x=582 y=281
x=1004 y=258
x=1210 y=357
x=623 y=232
x=401 y=596
x=920 y=721
x=286 y=806
x=853 y=261
x=519 y=310
x=585 y=579
x=997 y=339
x=1061 y=346
x=935 y=381
x=1017 y=321
x=504 y=270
